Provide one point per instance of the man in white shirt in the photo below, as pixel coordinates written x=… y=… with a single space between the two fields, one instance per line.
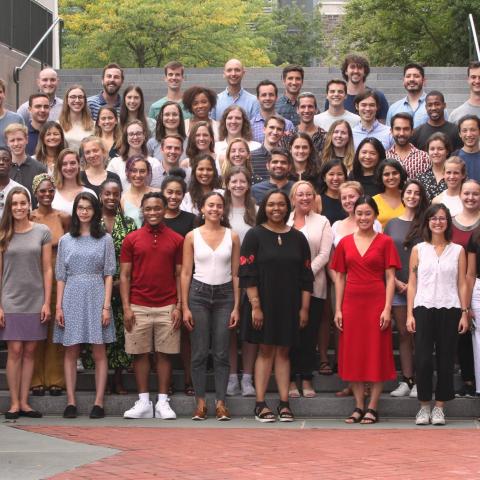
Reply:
x=336 y=94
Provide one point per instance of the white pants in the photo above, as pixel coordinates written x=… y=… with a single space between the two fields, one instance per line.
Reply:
x=476 y=331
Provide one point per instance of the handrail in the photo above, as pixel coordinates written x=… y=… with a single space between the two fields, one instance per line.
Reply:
x=17 y=70
x=474 y=35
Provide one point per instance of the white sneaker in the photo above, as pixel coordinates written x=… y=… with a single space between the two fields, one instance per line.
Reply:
x=248 y=390
x=401 y=391
x=164 y=411
x=141 y=409
x=233 y=387
x=413 y=392
x=80 y=367
x=438 y=416
x=423 y=416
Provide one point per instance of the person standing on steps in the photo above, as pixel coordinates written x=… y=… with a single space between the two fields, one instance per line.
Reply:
x=150 y=264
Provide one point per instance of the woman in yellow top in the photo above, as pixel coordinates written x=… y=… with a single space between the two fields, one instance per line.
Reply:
x=391 y=176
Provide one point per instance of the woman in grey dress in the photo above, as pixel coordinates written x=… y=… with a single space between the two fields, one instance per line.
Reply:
x=26 y=283
x=84 y=270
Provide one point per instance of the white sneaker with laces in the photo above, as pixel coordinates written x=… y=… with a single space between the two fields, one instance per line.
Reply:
x=141 y=409
x=438 y=416
x=402 y=390
x=413 y=392
x=233 y=387
x=164 y=411
x=248 y=390
x=423 y=416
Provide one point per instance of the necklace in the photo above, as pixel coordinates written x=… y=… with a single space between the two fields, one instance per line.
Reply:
x=279 y=239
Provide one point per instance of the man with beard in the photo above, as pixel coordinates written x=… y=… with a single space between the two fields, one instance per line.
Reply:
x=234 y=94
x=435 y=106
x=292 y=76
x=469 y=130
x=413 y=160
x=267 y=95
x=355 y=70
x=39 y=109
x=414 y=102
x=472 y=105
x=273 y=134
x=47 y=82
x=278 y=167
x=112 y=81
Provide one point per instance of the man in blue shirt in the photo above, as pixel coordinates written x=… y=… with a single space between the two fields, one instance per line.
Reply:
x=278 y=166
x=233 y=73
x=414 y=102
x=469 y=129
x=112 y=81
x=39 y=109
x=292 y=76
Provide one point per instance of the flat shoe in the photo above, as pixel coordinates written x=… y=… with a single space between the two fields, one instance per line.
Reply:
x=38 y=391
x=11 y=415
x=30 y=413
x=97 y=412
x=70 y=411
x=55 y=391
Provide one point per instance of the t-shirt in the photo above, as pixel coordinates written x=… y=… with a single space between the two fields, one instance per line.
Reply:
x=349 y=103
x=156 y=106
x=25 y=172
x=8 y=118
x=424 y=132
x=461 y=234
x=182 y=223
x=325 y=119
x=259 y=190
x=465 y=109
x=473 y=246
x=154 y=254
x=472 y=162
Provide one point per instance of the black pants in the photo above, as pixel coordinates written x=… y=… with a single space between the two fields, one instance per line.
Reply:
x=465 y=357
x=303 y=357
x=436 y=330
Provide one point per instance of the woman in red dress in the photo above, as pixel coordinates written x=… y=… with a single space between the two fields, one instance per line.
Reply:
x=365 y=263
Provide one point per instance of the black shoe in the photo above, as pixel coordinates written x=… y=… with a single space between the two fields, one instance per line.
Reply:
x=11 y=415
x=97 y=412
x=70 y=411
x=30 y=413
x=466 y=391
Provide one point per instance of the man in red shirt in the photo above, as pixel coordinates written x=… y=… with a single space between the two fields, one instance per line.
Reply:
x=150 y=264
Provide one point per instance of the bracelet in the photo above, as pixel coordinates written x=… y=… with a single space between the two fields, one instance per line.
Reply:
x=465 y=310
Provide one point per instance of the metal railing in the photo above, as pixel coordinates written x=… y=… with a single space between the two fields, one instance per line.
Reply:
x=473 y=32
x=17 y=70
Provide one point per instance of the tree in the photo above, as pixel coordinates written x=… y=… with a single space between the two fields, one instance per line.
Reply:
x=297 y=38
x=396 y=32
x=199 y=33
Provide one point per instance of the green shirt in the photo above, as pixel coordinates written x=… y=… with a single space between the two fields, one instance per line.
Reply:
x=156 y=106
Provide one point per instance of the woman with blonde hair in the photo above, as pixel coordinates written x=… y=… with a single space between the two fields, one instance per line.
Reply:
x=75 y=117
x=339 y=144
x=455 y=172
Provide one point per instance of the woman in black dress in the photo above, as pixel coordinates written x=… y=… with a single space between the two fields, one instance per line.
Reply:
x=275 y=270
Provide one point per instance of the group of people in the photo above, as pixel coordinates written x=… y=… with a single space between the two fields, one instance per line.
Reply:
x=238 y=218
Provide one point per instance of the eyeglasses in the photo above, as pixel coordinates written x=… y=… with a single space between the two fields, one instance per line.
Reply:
x=134 y=134
x=76 y=97
x=437 y=219
x=84 y=209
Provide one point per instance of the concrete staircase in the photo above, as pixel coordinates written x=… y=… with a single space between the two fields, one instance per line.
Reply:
x=449 y=80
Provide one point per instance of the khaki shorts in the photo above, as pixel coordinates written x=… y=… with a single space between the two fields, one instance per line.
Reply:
x=153 y=331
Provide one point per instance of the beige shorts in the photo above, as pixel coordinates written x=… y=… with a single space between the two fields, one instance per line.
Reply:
x=153 y=331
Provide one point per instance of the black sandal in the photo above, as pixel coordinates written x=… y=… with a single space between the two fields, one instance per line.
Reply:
x=370 y=420
x=354 y=418
x=284 y=412
x=189 y=390
x=38 y=391
x=263 y=413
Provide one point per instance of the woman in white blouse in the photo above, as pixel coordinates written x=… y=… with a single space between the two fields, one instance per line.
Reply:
x=436 y=310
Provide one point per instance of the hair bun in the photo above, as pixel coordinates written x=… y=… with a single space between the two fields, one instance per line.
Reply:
x=177 y=172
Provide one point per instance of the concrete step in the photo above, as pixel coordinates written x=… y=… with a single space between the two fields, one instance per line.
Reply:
x=324 y=405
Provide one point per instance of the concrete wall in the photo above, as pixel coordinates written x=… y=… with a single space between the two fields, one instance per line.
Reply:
x=10 y=60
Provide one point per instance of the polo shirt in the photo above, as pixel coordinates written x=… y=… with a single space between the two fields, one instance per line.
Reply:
x=258 y=124
x=95 y=102
x=259 y=190
x=244 y=99
x=25 y=172
x=288 y=109
x=154 y=254
x=379 y=131
x=33 y=134
x=55 y=109
x=156 y=106
x=472 y=162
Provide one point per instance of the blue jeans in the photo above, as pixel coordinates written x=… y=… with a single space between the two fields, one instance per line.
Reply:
x=211 y=306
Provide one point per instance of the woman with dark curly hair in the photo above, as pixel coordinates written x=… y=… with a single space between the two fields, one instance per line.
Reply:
x=200 y=101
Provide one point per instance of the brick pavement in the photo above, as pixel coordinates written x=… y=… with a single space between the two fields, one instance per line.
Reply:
x=234 y=454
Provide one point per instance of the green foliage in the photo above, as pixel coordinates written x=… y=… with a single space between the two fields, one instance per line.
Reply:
x=297 y=37
x=396 y=32
x=149 y=33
